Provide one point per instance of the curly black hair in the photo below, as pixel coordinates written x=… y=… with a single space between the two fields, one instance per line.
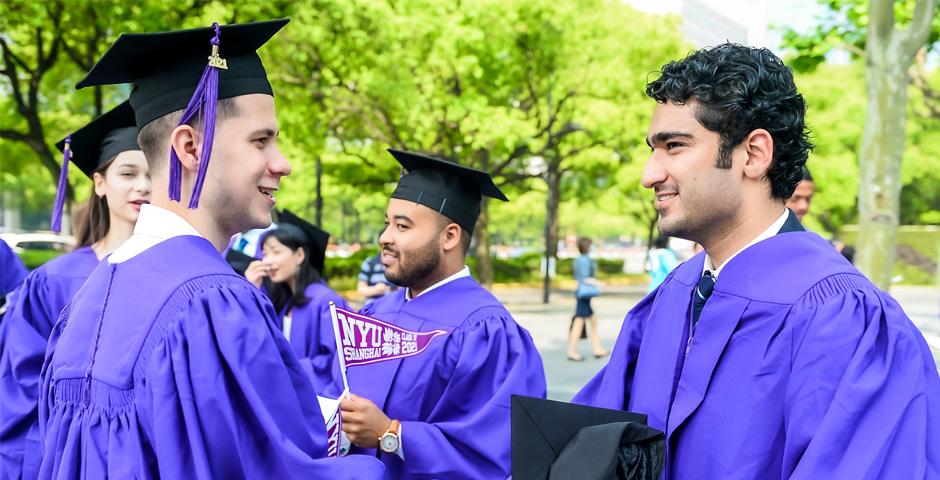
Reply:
x=739 y=89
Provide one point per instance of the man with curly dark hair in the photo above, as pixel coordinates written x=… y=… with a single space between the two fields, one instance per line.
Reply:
x=767 y=355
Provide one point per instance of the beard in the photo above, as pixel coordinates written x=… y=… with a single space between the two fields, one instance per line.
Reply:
x=704 y=208
x=415 y=266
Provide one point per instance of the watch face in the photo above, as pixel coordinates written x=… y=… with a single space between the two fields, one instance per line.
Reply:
x=388 y=443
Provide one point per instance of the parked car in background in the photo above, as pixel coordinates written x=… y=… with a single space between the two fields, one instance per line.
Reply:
x=37 y=248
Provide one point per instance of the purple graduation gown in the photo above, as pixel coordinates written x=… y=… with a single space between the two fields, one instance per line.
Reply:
x=12 y=270
x=799 y=368
x=25 y=333
x=171 y=365
x=453 y=398
x=311 y=334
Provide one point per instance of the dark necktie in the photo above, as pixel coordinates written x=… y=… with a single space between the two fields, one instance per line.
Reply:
x=704 y=290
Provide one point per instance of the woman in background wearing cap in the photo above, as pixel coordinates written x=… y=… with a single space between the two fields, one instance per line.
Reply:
x=106 y=151
x=292 y=275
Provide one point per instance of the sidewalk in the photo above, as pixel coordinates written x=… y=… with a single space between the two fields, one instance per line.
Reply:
x=549 y=323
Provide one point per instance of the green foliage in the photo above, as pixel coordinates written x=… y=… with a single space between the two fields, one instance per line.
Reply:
x=343 y=273
x=843 y=26
x=918 y=252
x=495 y=84
x=836 y=99
x=527 y=268
x=348 y=266
x=72 y=35
x=489 y=84
x=34 y=258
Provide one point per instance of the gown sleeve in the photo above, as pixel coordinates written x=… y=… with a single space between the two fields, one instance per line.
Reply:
x=12 y=270
x=228 y=397
x=467 y=433
x=24 y=333
x=863 y=398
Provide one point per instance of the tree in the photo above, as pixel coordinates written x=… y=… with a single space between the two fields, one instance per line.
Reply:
x=889 y=51
x=489 y=84
x=498 y=85
x=46 y=48
x=24 y=69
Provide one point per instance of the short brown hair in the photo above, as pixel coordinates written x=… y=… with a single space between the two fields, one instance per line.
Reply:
x=153 y=136
x=584 y=244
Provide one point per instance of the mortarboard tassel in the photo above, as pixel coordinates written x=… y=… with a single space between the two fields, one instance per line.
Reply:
x=204 y=102
x=63 y=186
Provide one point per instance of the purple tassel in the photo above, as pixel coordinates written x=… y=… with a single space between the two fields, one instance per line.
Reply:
x=204 y=102
x=63 y=186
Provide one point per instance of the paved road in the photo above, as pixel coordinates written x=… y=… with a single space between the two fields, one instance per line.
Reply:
x=549 y=326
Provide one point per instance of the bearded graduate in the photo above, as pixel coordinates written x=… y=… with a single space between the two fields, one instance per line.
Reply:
x=767 y=355
x=292 y=275
x=105 y=151
x=167 y=363
x=443 y=412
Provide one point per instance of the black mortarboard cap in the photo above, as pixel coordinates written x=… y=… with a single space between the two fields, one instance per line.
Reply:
x=102 y=139
x=557 y=440
x=91 y=147
x=448 y=188
x=313 y=237
x=238 y=260
x=166 y=67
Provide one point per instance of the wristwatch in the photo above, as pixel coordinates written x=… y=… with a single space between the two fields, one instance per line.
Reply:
x=390 y=440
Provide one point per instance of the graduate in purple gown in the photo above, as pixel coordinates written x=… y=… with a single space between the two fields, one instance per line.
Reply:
x=12 y=273
x=444 y=411
x=292 y=275
x=106 y=151
x=767 y=355
x=167 y=363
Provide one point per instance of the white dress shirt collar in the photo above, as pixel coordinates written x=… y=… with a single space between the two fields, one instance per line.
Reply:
x=464 y=272
x=154 y=225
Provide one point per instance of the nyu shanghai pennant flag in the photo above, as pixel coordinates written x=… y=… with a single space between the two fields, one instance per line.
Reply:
x=363 y=340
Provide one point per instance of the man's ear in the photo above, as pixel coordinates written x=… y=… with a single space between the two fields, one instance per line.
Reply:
x=759 y=147
x=450 y=237
x=183 y=141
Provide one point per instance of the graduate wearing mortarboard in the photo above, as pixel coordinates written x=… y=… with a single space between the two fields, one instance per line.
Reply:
x=444 y=412
x=106 y=151
x=768 y=355
x=292 y=274
x=167 y=363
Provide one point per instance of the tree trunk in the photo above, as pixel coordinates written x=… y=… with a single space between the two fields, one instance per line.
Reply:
x=357 y=232
x=319 y=201
x=37 y=142
x=889 y=53
x=880 y=164
x=484 y=268
x=552 y=200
